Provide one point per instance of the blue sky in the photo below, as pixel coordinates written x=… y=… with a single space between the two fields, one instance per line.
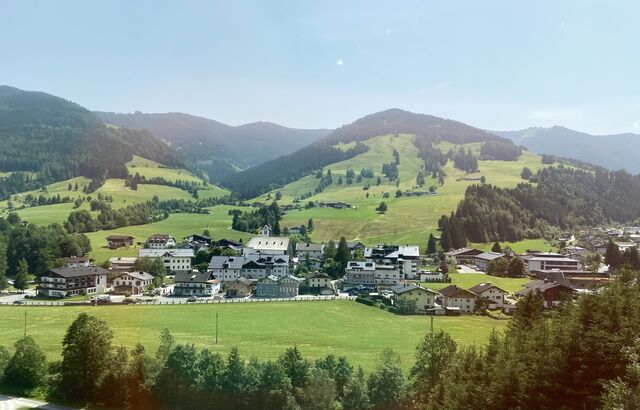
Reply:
x=492 y=64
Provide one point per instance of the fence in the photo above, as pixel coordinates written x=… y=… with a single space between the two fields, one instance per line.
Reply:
x=181 y=301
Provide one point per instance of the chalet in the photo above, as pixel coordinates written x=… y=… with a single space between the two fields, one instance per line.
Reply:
x=175 y=260
x=582 y=281
x=458 y=298
x=278 y=287
x=239 y=288
x=230 y=268
x=73 y=281
x=119 y=241
x=424 y=298
x=195 y=284
x=493 y=294
x=553 y=293
x=464 y=256
x=261 y=245
x=363 y=273
x=132 y=283
x=482 y=260
x=355 y=245
x=314 y=250
x=123 y=264
x=403 y=258
x=76 y=261
x=160 y=241
x=198 y=238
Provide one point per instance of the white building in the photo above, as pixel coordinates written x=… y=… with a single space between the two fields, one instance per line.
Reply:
x=370 y=274
x=175 y=260
x=161 y=241
x=261 y=245
x=550 y=261
x=404 y=258
x=493 y=294
x=230 y=268
x=133 y=283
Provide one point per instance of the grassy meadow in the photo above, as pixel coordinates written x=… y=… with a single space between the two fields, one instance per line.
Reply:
x=468 y=280
x=263 y=330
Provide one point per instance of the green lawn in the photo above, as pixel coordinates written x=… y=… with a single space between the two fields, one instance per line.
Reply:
x=151 y=169
x=264 y=330
x=468 y=280
x=519 y=247
x=177 y=225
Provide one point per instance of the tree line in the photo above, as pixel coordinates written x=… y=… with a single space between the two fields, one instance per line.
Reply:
x=253 y=221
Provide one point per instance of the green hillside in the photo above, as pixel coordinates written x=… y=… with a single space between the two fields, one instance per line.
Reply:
x=408 y=219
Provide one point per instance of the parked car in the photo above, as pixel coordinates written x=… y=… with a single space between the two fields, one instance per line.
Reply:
x=18 y=302
x=192 y=299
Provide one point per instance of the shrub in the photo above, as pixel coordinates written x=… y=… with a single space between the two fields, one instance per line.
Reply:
x=365 y=301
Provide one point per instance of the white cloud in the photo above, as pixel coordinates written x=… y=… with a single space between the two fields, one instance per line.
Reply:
x=556 y=113
x=636 y=125
x=563 y=24
x=340 y=62
x=442 y=84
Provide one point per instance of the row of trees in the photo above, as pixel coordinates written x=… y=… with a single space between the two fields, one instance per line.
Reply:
x=254 y=220
x=500 y=151
x=463 y=160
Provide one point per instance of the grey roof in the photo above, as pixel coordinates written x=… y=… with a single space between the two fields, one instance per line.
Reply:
x=75 y=259
x=482 y=287
x=79 y=271
x=137 y=275
x=192 y=277
x=159 y=253
x=406 y=287
x=268 y=243
x=226 y=262
x=489 y=256
x=309 y=247
x=540 y=285
x=238 y=262
x=461 y=251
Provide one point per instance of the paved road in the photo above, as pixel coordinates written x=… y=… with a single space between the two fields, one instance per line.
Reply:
x=15 y=403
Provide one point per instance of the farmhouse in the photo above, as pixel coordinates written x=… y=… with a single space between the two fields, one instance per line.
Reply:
x=82 y=280
x=195 y=284
x=133 y=283
x=423 y=298
x=335 y=205
x=261 y=245
x=160 y=241
x=229 y=268
x=310 y=254
x=464 y=256
x=123 y=264
x=370 y=274
x=175 y=260
x=482 y=260
x=456 y=297
x=278 y=287
x=553 y=293
x=491 y=293
x=239 y=288
x=119 y=241
x=76 y=261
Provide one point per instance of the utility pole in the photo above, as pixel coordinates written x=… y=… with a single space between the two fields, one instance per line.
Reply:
x=216 y=327
x=25 y=323
x=432 y=323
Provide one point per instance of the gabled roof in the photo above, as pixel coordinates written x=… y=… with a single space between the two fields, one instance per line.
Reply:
x=463 y=251
x=137 y=275
x=407 y=287
x=159 y=253
x=489 y=256
x=483 y=287
x=542 y=286
x=75 y=259
x=320 y=276
x=309 y=247
x=268 y=243
x=455 y=291
x=119 y=237
x=192 y=277
x=78 y=271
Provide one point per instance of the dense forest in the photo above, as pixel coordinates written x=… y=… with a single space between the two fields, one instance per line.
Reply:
x=276 y=173
x=563 y=197
x=500 y=151
x=254 y=220
x=44 y=139
x=582 y=355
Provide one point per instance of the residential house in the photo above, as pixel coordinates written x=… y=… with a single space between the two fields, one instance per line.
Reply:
x=76 y=261
x=239 y=288
x=575 y=252
x=175 y=260
x=278 y=287
x=458 y=298
x=319 y=280
x=123 y=263
x=310 y=254
x=482 y=260
x=198 y=238
x=423 y=298
x=160 y=241
x=255 y=266
x=553 y=293
x=119 y=241
x=490 y=292
x=229 y=244
x=73 y=281
x=355 y=245
x=195 y=283
x=133 y=283
x=334 y=205
x=462 y=256
x=582 y=281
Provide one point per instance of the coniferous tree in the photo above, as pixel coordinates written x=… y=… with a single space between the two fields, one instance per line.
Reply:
x=432 y=246
x=445 y=239
x=496 y=248
x=21 y=281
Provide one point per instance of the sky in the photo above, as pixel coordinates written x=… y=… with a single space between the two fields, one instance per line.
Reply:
x=321 y=64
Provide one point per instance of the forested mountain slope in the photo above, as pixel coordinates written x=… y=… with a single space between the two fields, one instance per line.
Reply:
x=218 y=148
x=44 y=139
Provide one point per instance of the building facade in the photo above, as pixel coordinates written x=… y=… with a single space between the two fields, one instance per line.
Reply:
x=73 y=281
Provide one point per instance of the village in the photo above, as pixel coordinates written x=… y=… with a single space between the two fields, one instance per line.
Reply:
x=398 y=278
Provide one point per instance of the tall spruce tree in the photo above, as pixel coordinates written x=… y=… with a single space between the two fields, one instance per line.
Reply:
x=432 y=245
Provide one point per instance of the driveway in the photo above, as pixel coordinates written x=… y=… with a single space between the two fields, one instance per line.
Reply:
x=15 y=403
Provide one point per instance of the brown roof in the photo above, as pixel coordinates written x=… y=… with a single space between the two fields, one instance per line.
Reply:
x=454 y=290
x=482 y=287
x=119 y=237
x=79 y=271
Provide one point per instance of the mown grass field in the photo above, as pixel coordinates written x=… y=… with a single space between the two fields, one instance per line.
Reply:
x=263 y=330
x=151 y=169
x=468 y=280
x=519 y=247
x=177 y=225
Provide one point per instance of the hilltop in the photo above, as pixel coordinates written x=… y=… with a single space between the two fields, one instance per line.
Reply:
x=219 y=149
x=616 y=151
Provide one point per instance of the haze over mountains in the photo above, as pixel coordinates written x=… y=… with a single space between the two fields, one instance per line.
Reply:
x=617 y=151
x=217 y=148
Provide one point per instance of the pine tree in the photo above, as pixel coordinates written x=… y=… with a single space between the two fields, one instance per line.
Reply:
x=21 y=280
x=343 y=254
x=496 y=248
x=310 y=225
x=445 y=239
x=432 y=246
